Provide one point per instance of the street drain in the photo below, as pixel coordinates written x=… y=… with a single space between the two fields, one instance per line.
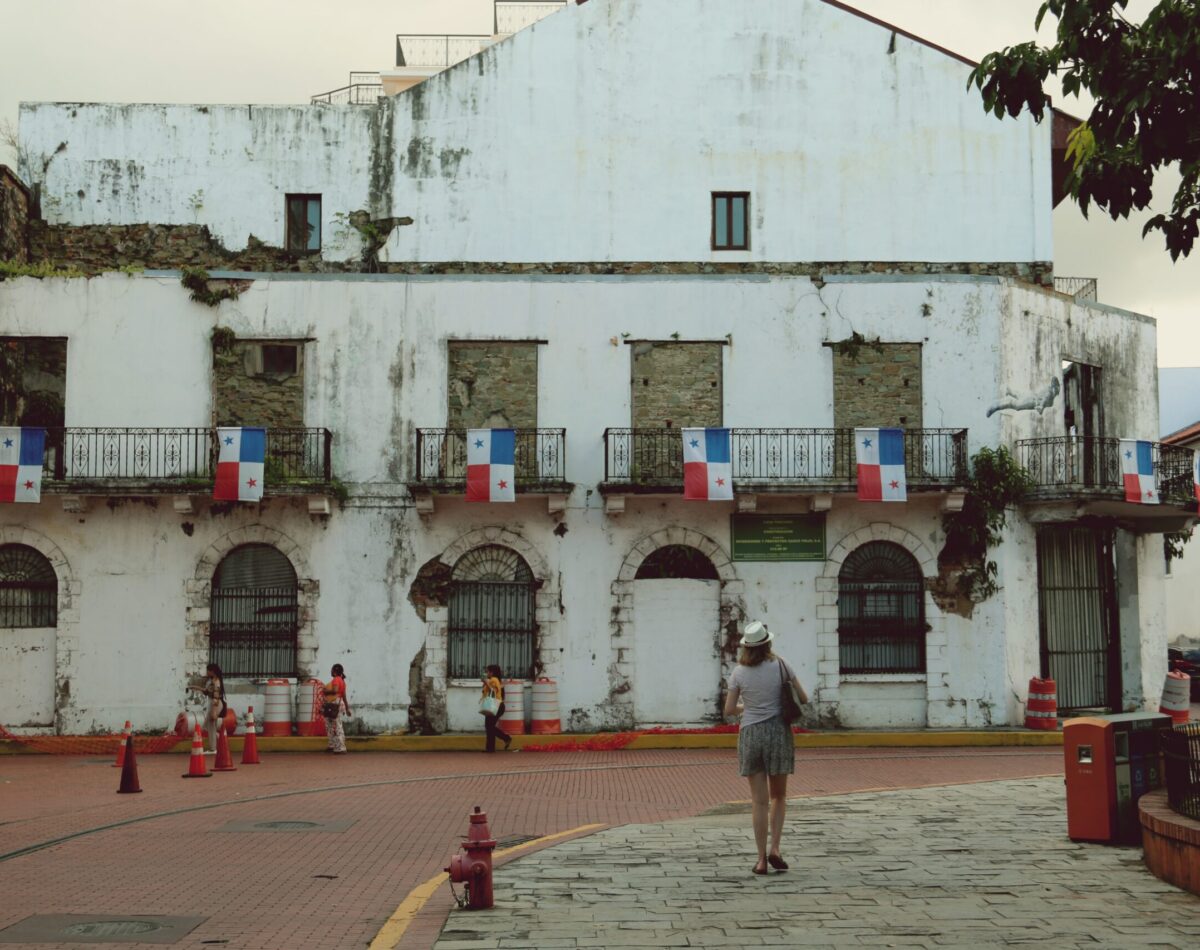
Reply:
x=511 y=841
x=287 y=824
x=111 y=928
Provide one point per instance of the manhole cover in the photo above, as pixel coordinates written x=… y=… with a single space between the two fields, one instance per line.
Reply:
x=111 y=928
x=287 y=825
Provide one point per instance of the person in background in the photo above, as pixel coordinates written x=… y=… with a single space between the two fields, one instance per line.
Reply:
x=766 y=749
x=334 y=707
x=214 y=689
x=492 y=686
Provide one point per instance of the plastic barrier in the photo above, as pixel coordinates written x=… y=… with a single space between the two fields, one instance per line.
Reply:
x=545 y=708
x=277 y=708
x=513 y=721
x=309 y=697
x=1041 y=711
x=1176 y=701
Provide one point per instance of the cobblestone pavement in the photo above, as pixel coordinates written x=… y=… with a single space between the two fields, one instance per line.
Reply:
x=979 y=866
x=171 y=850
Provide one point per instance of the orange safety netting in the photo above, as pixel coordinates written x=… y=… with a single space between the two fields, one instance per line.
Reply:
x=91 y=745
x=608 y=741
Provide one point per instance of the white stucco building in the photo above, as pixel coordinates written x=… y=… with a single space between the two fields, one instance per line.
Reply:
x=775 y=216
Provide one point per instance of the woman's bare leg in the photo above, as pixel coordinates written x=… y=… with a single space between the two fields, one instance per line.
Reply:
x=760 y=804
x=778 y=791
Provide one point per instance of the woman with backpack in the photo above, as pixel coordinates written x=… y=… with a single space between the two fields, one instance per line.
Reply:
x=334 y=707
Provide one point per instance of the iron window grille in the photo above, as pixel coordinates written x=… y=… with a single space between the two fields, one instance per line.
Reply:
x=492 y=614
x=881 y=611
x=303 y=214
x=28 y=588
x=255 y=613
x=731 y=220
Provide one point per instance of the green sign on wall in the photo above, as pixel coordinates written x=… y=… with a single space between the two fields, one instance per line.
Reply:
x=777 y=537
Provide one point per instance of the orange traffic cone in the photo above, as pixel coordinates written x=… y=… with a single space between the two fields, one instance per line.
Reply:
x=121 y=748
x=196 y=767
x=250 y=744
x=129 y=776
x=224 y=761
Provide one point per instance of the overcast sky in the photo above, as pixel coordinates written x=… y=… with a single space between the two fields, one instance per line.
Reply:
x=286 y=50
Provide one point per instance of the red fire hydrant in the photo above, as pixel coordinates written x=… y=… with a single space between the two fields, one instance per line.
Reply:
x=473 y=866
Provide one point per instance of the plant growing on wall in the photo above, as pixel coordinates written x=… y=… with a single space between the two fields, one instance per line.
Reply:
x=995 y=483
x=854 y=344
x=372 y=232
x=196 y=280
x=1173 y=544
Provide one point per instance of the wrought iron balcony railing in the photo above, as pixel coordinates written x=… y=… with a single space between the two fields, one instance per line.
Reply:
x=437 y=50
x=780 y=459
x=176 y=459
x=364 y=89
x=1081 y=288
x=540 y=460
x=1071 y=465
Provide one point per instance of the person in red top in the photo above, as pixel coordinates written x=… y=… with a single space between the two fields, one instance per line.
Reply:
x=337 y=704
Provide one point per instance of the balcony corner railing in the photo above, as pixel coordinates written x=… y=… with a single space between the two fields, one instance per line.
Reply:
x=1070 y=465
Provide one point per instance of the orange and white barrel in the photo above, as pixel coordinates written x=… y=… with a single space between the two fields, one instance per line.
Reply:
x=186 y=723
x=277 y=709
x=545 y=719
x=1041 y=709
x=513 y=721
x=1176 y=697
x=309 y=698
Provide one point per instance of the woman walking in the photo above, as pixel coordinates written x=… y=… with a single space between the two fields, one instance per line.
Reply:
x=214 y=689
x=334 y=708
x=766 y=750
x=494 y=688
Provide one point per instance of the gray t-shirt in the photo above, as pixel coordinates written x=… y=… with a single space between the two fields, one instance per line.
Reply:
x=759 y=688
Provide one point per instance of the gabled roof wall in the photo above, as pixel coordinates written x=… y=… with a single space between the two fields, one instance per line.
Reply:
x=597 y=135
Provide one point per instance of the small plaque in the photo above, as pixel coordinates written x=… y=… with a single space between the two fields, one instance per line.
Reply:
x=777 y=537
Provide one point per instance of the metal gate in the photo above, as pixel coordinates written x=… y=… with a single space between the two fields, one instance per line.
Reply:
x=1077 y=616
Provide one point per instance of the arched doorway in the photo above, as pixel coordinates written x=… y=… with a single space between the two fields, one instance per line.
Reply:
x=255 y=613
x=676 y=636
x=881 y=611
x=492 y=616
x=28 y=637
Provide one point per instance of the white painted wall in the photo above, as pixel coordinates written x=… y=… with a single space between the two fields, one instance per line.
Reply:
x=377 y=371
x=559 y=144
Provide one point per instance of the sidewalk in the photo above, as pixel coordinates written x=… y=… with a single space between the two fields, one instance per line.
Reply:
x=980 y=866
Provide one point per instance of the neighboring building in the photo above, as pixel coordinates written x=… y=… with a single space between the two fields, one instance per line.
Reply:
x=1183 y=571
x=804 y=224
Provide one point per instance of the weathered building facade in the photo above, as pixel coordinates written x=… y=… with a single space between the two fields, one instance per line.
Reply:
x=803 y=224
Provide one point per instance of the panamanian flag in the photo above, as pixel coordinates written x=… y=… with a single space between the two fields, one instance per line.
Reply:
x=491 y=464
x=1196 y=474
x=707 y=471
x=240 y=460
x=21 y=452
x=1137 y=471
x=880 y=457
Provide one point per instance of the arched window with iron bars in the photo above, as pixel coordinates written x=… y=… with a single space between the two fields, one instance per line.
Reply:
x=28 y=588
x=492 y=614
x=881 y=611
x=255 y=613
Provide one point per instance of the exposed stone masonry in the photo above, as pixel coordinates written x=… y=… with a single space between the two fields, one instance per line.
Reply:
x=492 y=385
x=244 y=395
x=14 y=217
x=880 y=385
x=676 y=383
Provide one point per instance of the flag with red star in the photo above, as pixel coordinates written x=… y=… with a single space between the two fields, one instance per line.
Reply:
x=240 y=461
x=491 y=464
x=21 y=452
x=707 y=470
x=1137 y=472
x=880 y=457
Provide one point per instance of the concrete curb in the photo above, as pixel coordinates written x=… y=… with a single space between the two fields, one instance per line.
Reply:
x=917 y=739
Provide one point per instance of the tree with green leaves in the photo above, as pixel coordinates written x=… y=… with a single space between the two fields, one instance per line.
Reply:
x=1143 y=79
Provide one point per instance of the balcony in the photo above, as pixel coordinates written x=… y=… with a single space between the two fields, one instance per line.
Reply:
x=1081 y=288
x=441 y=465
x=440 y=51
x=819 y=462
x=1087 y=473
x=127 y=461
x=364 y=89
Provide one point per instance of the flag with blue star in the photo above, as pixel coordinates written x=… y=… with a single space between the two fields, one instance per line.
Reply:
x=1137 y=472
x=241 y=458
x=21 y=452
x=707 y=468
x=491 y=464
x=880 y=457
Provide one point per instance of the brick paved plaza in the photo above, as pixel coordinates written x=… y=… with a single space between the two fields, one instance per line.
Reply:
x=181 y=848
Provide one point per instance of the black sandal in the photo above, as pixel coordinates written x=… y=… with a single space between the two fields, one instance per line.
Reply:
x=755 y=870
x=777 y=862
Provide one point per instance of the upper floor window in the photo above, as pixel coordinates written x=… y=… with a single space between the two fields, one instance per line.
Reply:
x=731 y=220
x=303 y=224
